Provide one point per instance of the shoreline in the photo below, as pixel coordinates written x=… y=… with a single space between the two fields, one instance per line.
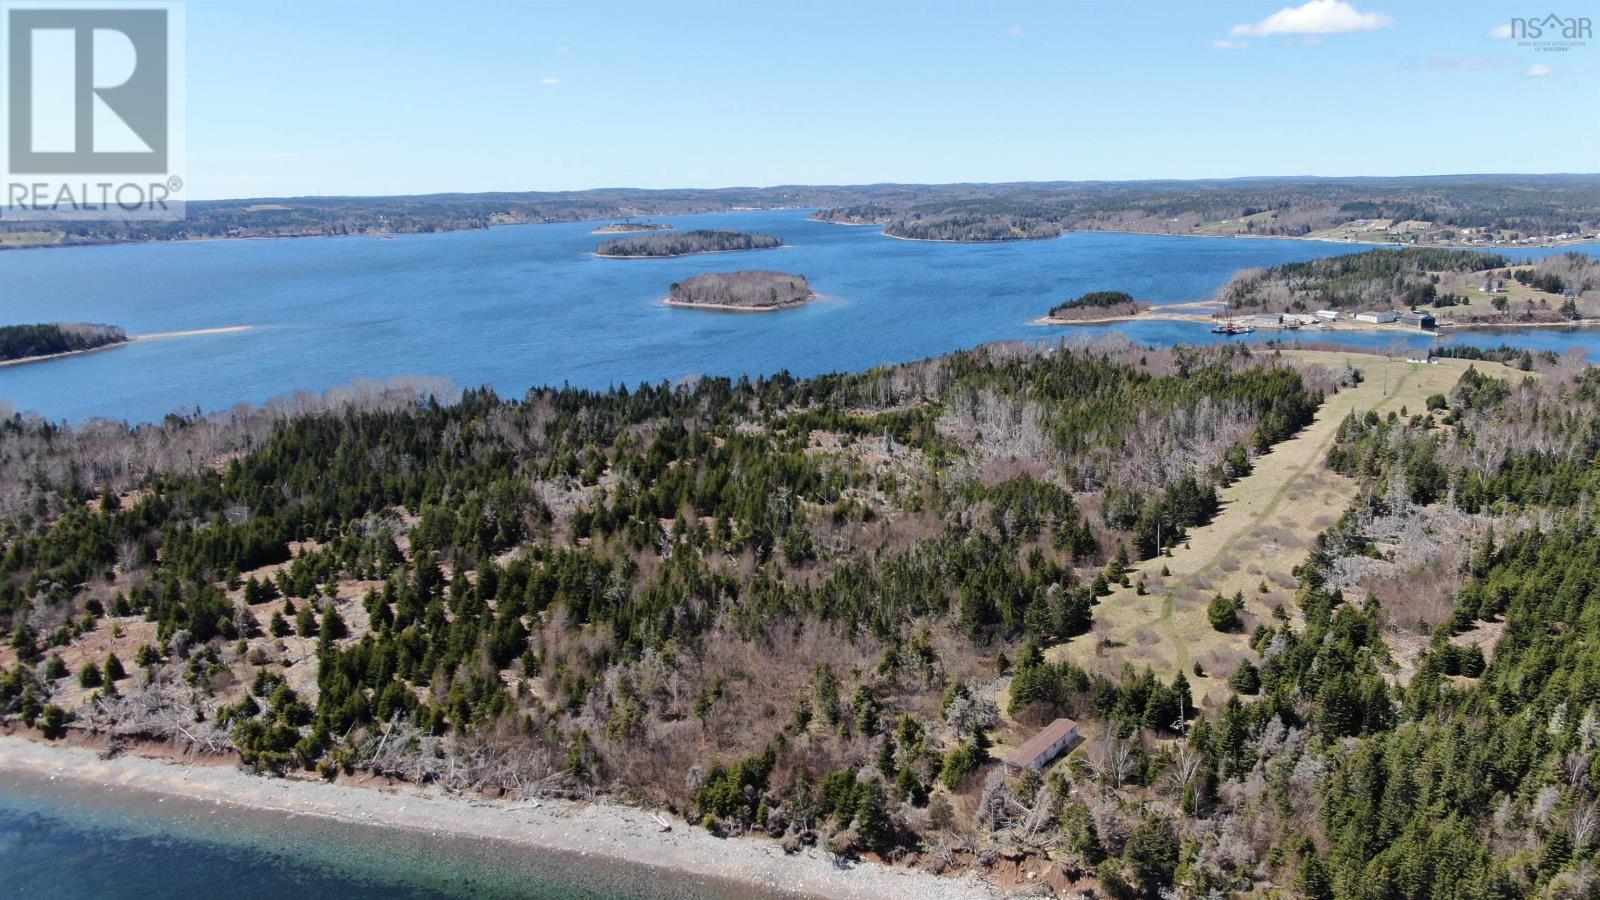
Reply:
x=597 y=830
x=131 y=339
x=718 y=307
x=1160 y=313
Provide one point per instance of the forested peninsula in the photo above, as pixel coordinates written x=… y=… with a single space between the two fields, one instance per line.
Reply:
x=686 y=243
x=1458 y=286
x=23 y=342
x=823 y=611
x=750 y=290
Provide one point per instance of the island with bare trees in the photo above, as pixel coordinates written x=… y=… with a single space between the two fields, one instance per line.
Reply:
x=631 y=227
x=701 y=240
x=755 y=290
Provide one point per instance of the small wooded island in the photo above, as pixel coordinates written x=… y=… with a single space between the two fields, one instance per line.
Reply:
x=629 y=227
x=755 y=290
x=689 y=242
x=1097 y=305
x=27 y=342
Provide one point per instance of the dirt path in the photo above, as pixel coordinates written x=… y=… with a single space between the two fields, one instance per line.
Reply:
x=1266 y=526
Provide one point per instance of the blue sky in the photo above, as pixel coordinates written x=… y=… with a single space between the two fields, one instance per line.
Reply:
x=293 y=98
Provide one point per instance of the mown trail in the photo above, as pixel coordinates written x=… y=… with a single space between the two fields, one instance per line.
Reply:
x=1265 y=528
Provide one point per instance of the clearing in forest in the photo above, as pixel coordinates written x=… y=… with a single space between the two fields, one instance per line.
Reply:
x=1265 y=528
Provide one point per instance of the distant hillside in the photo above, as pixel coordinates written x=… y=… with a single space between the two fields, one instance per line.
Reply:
x=25 y=341
x=699 y=241
x=755 y=289
x=1467 y=210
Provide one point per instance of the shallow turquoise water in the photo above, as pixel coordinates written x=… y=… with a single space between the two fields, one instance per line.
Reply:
x=60 y=839
x=527 y=305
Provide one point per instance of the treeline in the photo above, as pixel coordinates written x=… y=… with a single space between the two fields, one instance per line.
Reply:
x=685 y=243
x=22 y=341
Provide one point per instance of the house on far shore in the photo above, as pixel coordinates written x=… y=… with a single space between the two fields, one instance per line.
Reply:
x=1328 y=315
x=1037 y=752
x=1422 y=320
x=1377 y=318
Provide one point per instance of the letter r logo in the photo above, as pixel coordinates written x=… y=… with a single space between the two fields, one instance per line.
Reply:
x=87 y=90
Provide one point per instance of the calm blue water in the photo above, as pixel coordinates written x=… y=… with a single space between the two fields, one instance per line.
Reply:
x=59 y=839
x=527 y=305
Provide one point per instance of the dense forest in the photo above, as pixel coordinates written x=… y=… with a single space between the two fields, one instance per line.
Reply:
x=687 y=242
x=729 y=597
x=1096 y=304
x=787 y=606
x=748 y=289
x=23 y=341
x=1508 y=207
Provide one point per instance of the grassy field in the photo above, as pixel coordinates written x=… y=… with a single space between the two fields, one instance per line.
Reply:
x=1266 y=526
x=1519 y=297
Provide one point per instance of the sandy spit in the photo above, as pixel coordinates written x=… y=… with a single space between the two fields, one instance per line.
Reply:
x=605 y=830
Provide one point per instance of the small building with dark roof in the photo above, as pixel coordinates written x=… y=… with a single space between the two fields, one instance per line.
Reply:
x=1422 y=320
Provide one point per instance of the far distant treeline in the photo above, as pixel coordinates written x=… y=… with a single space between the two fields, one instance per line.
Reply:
x=1097 y=304
x=698 y=241
x=751 y=289
x=1449 y=209
x=1456 y=208
x=24 y=341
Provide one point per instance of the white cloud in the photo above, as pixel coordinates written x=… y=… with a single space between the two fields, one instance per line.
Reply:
x=1539 y=71
x=1015 y=31
x=1314 y=17
x=1228 y=45
x=1500 y=32
x=550 y=80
